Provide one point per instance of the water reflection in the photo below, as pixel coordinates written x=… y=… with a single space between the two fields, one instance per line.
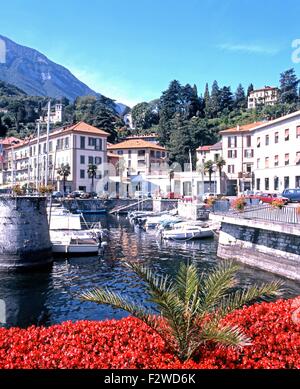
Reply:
x=51 y=297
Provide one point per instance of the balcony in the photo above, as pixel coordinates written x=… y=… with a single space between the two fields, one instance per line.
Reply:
x=244 y=175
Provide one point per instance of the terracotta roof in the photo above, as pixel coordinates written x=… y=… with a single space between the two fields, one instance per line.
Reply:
x=135 y=144
x=204 y=148
x=9 y=140
x=86 y=128
x=242 y=128
x=265 y=88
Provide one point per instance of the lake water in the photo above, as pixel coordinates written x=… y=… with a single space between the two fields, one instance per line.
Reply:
x=49 y=297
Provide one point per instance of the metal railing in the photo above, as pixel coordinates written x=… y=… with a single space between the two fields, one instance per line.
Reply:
x=286 y=214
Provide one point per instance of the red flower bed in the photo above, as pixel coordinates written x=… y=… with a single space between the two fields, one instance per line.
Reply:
x=273 y=327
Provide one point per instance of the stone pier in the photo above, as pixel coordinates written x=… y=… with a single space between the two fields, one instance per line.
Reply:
x=24 y=233
x=270 y=246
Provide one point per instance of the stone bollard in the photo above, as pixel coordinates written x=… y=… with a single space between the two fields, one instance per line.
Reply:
x=24 y=233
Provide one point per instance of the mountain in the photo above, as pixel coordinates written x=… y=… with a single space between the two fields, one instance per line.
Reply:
x=34 y=73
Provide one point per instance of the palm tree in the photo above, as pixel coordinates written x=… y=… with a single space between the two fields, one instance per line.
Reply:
x=92 y=172
x=64 y=171
x=209 y=168
x=191 y=307
x=220 y=162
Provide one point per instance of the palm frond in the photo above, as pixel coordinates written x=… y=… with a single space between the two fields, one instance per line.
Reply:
x=186 y=282
x=216 y=284
x=241 y=297
x=226 y=335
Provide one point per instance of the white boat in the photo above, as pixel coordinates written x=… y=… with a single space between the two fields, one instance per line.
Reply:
x=67 y=235
x=188 y=231
x=154 y=221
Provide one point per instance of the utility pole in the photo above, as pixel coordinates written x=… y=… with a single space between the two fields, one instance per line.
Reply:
x=47 y=144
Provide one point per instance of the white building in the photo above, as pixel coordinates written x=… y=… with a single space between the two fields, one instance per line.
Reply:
x=78 y=146
x=238 y=150
x=264 y=96
x=56 y=116
x=277 y=153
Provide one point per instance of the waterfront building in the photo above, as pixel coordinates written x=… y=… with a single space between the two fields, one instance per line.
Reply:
x=142 y=165
x=238 y=151
x=264 y=96
x=277 y=153
x=77 y=145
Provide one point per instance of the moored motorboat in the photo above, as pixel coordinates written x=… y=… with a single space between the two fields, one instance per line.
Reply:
x=187 y=231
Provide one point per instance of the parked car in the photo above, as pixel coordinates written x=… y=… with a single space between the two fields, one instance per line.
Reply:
x=75 y=194
x=270 y=197
x=57 y=194
x=292 y=194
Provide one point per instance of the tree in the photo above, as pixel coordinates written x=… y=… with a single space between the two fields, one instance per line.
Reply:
x=191 y=306
x=209 y=168
x=240 y=100
x=220 y=163
x=225 y=100
x=64 y=171
x=250 y=89
x=213 y=107
x=288 y=87
x=180 y=141
x=144 y=116
x=92 y=172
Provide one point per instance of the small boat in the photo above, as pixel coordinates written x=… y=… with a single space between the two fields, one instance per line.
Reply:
x=188 y=231
x=74 y=242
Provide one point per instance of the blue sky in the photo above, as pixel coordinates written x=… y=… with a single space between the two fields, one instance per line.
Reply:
x=130 y=50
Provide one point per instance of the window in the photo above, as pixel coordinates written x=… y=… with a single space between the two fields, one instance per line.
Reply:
x=232 y=153
x=267 y=184
x=286 y=182
x=141 y=153
x=266 y=162
x=276 y=160
x=230 y=169
x=258 y=184
x=82 y=159
x=92 y=142
x=276 y=137
x=297 y=182
x=50 y=147
x=248 y=140
x=248 y=167
x=267 y=140
x=91 y=160
x=163 y=154
x=98 y=160
x=248 y=153
x=152 y=153
x=297 y=131
x=286 y=159
x=67 y=142
x=120 y=152
x=276 y=183
x=232 y=142
x=44 y=148
x=82 y=142
x=258 y=142
x=98 y=144
x=82 y=173
x=58 y=144
x=129 y=154
x=258 y=163
x=298 y=158
x=286 y=134
x=141 y=163
x=158 y=154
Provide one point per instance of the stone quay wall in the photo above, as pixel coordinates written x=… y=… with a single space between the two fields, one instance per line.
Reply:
x=270 y=246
